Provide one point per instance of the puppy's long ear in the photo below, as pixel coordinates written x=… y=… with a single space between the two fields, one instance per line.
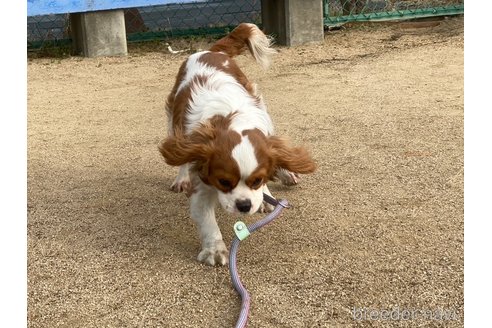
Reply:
x=294 y=159
x=179 y=150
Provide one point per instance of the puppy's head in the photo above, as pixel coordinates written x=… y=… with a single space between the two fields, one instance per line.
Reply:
x=236 y=164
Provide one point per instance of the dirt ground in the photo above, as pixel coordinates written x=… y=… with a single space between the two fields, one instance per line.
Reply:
x=377 y=230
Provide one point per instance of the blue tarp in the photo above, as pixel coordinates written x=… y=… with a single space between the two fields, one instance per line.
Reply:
x=48 y=7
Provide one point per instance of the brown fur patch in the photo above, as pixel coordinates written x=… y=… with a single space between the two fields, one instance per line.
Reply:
x=177 y=104
x=209 y=148
x=235 y=42
x=176 y=108
x=221 y=167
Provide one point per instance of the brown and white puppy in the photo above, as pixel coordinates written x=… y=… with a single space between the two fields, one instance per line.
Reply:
x=221 y=137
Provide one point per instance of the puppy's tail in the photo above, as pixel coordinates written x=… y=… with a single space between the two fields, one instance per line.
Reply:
x=247 y=35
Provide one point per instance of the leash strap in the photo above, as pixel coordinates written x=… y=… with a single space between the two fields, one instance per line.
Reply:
x=242 y=231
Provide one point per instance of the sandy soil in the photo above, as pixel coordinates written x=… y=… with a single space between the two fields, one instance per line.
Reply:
x=379 y=226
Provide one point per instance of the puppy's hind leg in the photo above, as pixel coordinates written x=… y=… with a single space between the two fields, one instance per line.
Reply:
x=286 y=177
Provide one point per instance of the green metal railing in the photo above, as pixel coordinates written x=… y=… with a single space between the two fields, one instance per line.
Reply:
x=336 y=12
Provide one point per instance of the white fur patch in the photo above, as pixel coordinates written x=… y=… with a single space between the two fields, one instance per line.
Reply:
x=244 y=155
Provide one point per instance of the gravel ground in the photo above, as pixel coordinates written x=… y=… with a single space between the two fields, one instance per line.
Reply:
x=376 y=231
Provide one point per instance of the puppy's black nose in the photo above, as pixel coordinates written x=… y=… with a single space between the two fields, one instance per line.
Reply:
x=243 y=205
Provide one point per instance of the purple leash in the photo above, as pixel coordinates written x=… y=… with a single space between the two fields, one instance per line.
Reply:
x=242 y=231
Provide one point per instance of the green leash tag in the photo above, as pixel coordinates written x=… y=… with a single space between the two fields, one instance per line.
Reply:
x=241 y=230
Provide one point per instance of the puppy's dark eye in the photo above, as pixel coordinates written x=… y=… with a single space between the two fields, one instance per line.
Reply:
x=256 y=183
x=225 y=183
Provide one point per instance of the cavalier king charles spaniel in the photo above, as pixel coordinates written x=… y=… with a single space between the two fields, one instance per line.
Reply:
x=221 y=137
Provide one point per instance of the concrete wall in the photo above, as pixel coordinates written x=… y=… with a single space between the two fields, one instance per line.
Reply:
x=293 y=22
x=99 y=33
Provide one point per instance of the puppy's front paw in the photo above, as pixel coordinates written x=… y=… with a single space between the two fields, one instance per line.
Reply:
x=215 y=254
